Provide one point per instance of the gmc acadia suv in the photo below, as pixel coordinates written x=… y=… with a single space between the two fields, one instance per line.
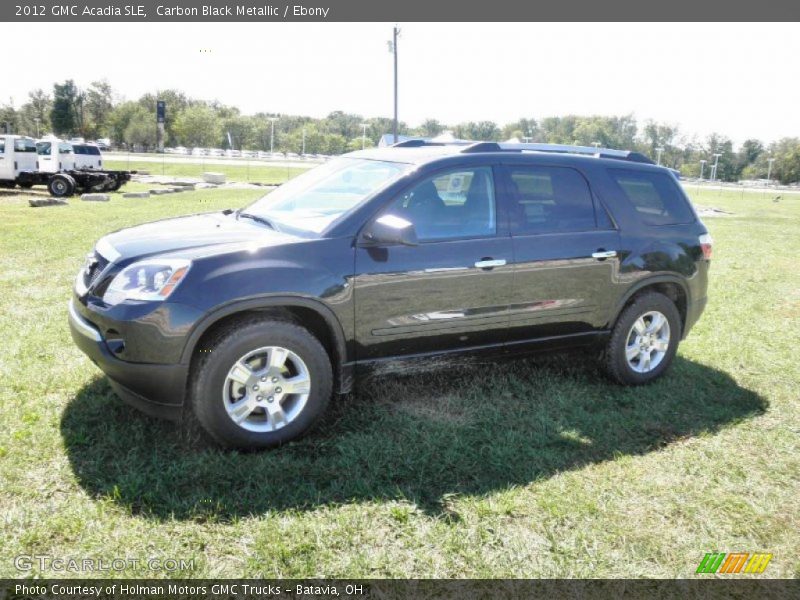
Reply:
x=254 y=317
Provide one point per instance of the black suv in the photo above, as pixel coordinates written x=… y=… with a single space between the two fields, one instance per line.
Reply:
x=254 y=317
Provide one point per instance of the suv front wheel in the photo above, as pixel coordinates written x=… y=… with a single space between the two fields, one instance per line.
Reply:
x=261 y=383
x=644 y=340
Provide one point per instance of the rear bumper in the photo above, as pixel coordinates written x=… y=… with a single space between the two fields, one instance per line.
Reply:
x=155 y=389
x=693 y=312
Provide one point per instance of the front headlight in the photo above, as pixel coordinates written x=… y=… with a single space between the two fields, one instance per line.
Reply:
x=151 y=280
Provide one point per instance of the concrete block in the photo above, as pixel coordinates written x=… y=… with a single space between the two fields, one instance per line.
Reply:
x=136 y=195
x=210 y=177
x=96 y=197
x=36 y=202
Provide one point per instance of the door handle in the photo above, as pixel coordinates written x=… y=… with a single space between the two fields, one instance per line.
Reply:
x=603 y=254
x=489 y=263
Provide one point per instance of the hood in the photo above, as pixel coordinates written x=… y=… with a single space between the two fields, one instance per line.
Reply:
x=187 y=233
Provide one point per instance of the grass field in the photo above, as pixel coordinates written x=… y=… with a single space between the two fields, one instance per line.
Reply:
x=537 y=468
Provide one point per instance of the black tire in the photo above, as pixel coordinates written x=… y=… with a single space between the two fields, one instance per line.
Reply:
x=118 y=183
x=218 y=356
x=61 y=186
x=616 y=362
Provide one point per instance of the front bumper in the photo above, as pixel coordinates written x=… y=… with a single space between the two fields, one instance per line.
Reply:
x=155 y=389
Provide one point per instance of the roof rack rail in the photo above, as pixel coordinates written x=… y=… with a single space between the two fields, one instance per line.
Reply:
x=628 y=155
x=420 y=142
x=473 y=147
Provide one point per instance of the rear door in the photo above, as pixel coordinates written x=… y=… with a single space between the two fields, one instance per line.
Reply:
x=565 y=253
x=452 y=290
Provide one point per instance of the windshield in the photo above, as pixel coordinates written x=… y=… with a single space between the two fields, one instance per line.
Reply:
x=313 y=200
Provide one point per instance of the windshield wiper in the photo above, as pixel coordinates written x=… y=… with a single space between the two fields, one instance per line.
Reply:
x=256 y=218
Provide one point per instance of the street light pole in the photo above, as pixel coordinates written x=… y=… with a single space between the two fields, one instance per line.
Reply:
x=702 y=167
x=659 y=150
x=272 y=135
x=716 y=164
x=769 y=169
x=393 y=50
x=303 y=153
x=364 y=135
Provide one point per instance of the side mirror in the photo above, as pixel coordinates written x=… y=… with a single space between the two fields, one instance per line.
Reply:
x=390 y=230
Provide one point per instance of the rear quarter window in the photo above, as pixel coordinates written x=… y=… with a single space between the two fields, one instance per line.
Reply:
x=655 y=196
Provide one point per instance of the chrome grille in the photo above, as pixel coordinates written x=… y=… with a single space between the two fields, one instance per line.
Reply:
x=95 y=265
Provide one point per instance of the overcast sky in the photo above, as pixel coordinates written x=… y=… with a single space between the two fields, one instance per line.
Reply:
x=737 y=79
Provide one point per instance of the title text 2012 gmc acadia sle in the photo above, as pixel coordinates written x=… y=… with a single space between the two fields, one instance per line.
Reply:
x=255 y=317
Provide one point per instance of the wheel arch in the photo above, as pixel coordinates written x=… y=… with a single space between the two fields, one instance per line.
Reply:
x=671 y=286
x=309 y=313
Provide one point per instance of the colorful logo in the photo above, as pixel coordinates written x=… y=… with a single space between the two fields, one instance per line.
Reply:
x=734 y=562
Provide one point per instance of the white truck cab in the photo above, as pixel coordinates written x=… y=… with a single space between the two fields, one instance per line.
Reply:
x=55 y=155
x=17 y=153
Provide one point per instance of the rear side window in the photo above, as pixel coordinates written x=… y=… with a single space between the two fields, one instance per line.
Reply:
x=93 y=150
x=550 y=199
x=2 y=146
x=655 y=196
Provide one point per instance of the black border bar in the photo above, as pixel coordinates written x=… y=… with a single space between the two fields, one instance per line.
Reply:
x=398 y=11
x=709 y=588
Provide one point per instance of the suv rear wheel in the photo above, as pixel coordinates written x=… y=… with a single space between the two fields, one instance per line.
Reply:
x=644 y=340
x=261 y=383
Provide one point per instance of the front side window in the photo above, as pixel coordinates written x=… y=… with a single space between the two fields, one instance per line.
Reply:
x=313 y=200
x=654 y=195
x=24 y=145
x=455 y=204
x=550 y=200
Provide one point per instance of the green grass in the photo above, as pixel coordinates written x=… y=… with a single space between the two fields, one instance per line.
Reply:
x=254 y=173
x=535 y=468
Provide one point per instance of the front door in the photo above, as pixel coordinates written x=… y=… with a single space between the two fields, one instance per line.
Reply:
x=449 y=292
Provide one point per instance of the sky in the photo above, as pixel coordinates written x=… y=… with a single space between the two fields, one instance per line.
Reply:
x=737 y=79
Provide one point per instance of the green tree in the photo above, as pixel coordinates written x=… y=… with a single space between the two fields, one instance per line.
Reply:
x=65 y=114
x=786 y=167
x=482 y=130
x=98 y=106
x=429 y=128
x=141 y=129
x=197 y=126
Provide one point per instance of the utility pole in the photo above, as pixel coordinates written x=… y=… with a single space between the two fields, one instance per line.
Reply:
x=393 y=50
x=769 y=169
x=272 y=135
x=364 y=135
x=702 y=167
x=659 y=150
x=304 y=142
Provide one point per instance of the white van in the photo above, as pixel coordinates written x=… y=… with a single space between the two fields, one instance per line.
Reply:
x=87 y=156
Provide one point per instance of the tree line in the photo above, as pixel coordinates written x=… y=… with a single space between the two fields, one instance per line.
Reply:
x=97 y=112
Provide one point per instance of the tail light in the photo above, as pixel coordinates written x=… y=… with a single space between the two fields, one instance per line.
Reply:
x=707 y=245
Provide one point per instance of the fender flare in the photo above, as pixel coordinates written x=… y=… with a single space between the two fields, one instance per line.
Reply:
x=643 y=283
x=341 y=364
